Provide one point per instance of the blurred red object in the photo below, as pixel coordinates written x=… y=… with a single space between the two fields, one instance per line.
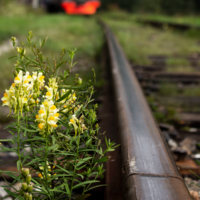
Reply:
x=88 y=8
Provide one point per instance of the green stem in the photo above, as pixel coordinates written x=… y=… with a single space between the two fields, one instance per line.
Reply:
x=94 y=157
x=45 y=164
x=46 y=155
x=90 y=184
x=52 y=161
x=29 y=137
x=18 y=140
x=74 y=167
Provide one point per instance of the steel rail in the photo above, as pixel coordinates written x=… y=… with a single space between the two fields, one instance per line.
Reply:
x=149 y=172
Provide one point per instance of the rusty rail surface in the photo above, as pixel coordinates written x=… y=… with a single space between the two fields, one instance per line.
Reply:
x=149 y=172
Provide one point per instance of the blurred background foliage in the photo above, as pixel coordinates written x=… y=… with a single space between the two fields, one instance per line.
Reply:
x=17 y=18
x=169 y=7
x=158 y=6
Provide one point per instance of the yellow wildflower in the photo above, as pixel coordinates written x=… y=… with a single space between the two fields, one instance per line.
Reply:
x=47 y=116
x=73 y=121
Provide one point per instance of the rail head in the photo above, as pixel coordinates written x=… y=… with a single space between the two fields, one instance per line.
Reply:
x=149 y=171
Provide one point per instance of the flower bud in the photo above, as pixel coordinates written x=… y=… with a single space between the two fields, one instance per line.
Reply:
x=13 y=40
x=30 y=187
x=35 y=96
x=24 y=186
x=19 y=49
x=63 y=51
x=30 y=34
x=15 y=72
x=30 y=197
x=96 y=106
x=89 y=171
x=27 y=108
x=21 y=191
x=28 y=178
x=26 y=196
x=79 y=81
x=25 y=171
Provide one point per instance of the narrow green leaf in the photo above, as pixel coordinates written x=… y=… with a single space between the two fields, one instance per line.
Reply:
x=6 y=140
x=19 y=197
x=56 y=190
x=71 y=87
x=18 y=165
x=29 y=130
x=11 y=132
x=34 y=161
x=3 y=149
x=63 y=123
x=12 y=57
x=84 y=183
x=80 y=162
x=53 y=139
x=68 y=172
x=194 y=174
x=60 y=175
x=111 y=150
x=44 y=41
x=37 y=63
x=11 y=193
x=96 y=187
x=83 y=150
x=67 y=187
x=11 y=175
x=79 y=168
x=88 y=142
x=54 y=147
x=40 y=42
x=13 y=123
x=36 y=183
x=34 y=127
x=25 y=133
x=64 y=96
x=35 y=138
x=106 y=141
x=64 y=154
x=45 y=191
x=62 y=62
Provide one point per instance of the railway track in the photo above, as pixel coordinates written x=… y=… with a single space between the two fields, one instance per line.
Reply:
x=148 y=168
x=149 y=171
x=152 y=77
